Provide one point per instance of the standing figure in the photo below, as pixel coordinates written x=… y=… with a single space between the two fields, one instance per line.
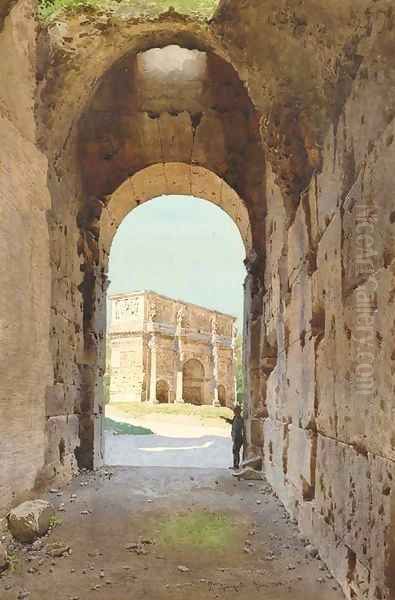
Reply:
x=238 y=434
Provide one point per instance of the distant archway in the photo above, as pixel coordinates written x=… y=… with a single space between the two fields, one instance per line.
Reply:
x=222 y=395
x=193 y=382
x=162 y=392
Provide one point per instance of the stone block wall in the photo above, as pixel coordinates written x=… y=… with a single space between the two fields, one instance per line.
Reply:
x=329 y=314
x=25 y=361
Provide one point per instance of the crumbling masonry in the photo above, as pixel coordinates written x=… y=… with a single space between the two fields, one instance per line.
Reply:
x=285 y=119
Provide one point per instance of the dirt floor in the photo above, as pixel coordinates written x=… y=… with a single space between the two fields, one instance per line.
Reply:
x=167 y=534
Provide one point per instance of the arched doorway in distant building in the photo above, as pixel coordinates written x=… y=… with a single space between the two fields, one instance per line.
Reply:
x=162 y=392
x=222 y=395
x=193 y=381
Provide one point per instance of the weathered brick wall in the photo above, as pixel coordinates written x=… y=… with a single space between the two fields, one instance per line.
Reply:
x=25 y=363
x=329 y=315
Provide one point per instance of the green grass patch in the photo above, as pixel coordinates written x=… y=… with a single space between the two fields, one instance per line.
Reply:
x=121 y=428
x=50 y=9
x=141 y=409
x=204 y=530
x=55 y=521
x=14 y=563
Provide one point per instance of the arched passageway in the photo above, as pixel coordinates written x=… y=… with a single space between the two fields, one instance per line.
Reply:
x=166 y=148
x=293 y=134
x=210 y=125
x=193 y=390
x=162 y=392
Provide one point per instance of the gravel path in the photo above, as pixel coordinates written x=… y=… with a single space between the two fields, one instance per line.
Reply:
x=110 y=524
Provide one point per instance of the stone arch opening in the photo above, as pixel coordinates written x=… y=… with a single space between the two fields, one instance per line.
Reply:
x=172 y=179
x=193 y=382
x=162 y=392
x=156 y=331
x=136 y=145
x=222 y=395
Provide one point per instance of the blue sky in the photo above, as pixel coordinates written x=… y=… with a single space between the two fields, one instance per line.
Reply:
x=182 y=247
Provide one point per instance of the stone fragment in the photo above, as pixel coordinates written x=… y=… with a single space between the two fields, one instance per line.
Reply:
x=137 y=547
x=254 y=463
x=57 y=549
x=311 y=550
x=249 y=474
x=183 y=569
x=30 y=520
x=132 y=546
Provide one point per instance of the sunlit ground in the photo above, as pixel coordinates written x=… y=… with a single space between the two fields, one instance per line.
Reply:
x=167 y=435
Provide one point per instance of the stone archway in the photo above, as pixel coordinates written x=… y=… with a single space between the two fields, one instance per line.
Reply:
x=222 y=395
x=193 y=382
x=150 y=144
x=330 y=156
x=162 y=392
x=173 y=178
x=169 y=179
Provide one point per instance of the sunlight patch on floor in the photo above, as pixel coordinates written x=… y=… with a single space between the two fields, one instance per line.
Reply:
x=165 y=448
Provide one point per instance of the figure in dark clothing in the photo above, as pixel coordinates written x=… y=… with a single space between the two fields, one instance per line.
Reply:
x=238 y=435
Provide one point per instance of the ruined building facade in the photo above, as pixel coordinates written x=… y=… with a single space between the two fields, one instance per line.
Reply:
x=164 y=351
x=285 y=119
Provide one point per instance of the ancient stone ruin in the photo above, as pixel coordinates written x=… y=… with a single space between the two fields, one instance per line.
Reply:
x=165 y=351
x=283 y=114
